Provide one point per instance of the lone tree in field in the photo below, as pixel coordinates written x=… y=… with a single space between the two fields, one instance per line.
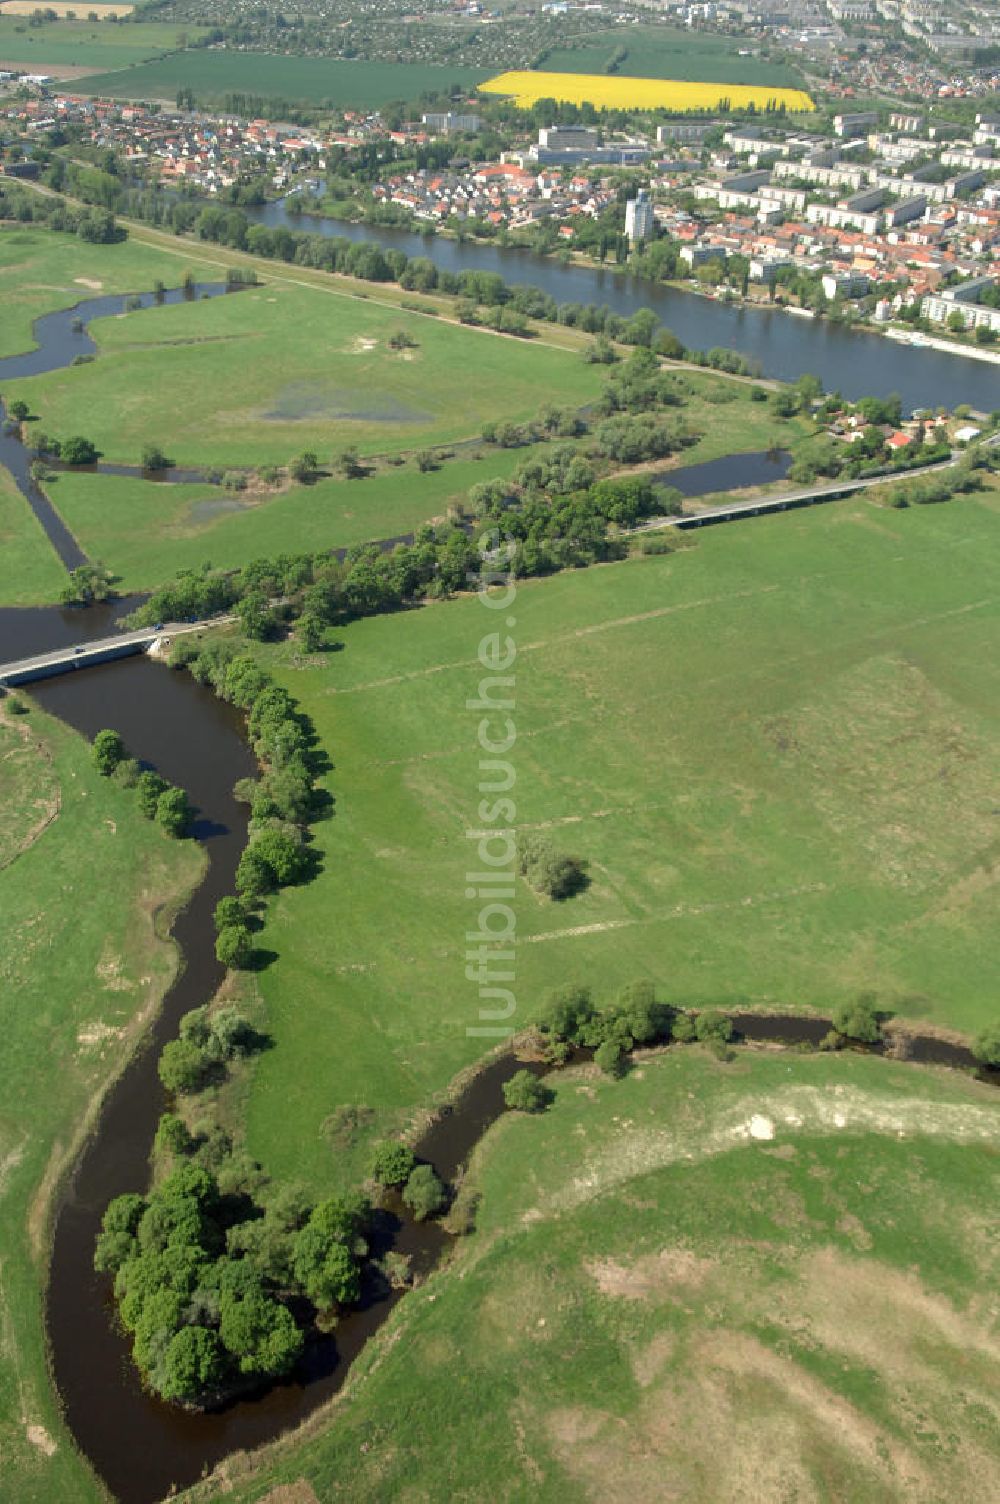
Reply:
x=18 y=411
x=525 y=1093
x=108 y=751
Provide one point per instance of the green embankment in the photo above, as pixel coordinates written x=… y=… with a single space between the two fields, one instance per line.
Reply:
x=777 y=750
x=763 y=1280
x=80 y=966
x=30 y=572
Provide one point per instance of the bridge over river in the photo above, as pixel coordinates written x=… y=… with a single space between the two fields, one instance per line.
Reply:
x=100 y=650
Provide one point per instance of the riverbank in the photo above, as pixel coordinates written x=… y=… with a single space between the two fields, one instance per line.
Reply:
x=86 y=967
x=679 y=1241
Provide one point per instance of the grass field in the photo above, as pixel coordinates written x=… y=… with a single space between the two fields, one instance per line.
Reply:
x=666 y=52
x=85 y=44
x=146 y=532
x=606 y=92
x=79 y=964
x=778 y=750
x=66 y=11
x=311 y=80
x=31 y=572
x=662 y=1302
x=264 y=375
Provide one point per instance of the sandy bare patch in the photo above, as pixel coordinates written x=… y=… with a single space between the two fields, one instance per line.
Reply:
x=97 y=1034
x=91 y=282
x=109 y=969
x=362 y=344
x=301 y=1492
x=656 y=1274
x=40 y=1438
x=649 y=1362
x=760 y=1127
x=734 y=1423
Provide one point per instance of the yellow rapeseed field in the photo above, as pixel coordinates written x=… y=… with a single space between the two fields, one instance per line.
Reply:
x=605 y=92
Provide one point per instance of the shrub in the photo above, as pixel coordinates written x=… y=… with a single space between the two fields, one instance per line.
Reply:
x=234 y=947
x=174 y=812
x=153 y=458
x=392 y=1163
x=228 y=911
x=148 y=788
x=682 y=1028
x=183 y=1066
x=127 y=772
x=858 y=1020
x=711 y=1025
x=986 y=1045
x=108 y=751
x=610 y=1057
x=525 y=1093
x=424 y=1193
x=78 y=451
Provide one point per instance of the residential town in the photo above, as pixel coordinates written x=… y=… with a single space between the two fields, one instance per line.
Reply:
x=893 y=219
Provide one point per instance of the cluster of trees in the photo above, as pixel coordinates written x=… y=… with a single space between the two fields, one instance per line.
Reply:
x=87 y=584
x=930 y=489
x=157 y=799
x=571 y=1018
x=210 y=1284
x=395 y=1166
x=548 y=871
x=96 y=225
x=207 y=1041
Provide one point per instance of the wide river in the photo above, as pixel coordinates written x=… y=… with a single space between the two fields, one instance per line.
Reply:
x=858 y=363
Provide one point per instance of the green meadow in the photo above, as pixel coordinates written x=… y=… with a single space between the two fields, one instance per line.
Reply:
x=764 y=1280
x=777 y=750
x=337 y=82
x=147 y=531
x=667 y=52
x=86 y=44
x=259 y=376
x=80 y=965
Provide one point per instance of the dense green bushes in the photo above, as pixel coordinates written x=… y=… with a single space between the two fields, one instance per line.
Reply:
x=157 y=799
x=208 y=1283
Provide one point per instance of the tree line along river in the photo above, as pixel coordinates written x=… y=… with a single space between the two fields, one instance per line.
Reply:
x=858 y=363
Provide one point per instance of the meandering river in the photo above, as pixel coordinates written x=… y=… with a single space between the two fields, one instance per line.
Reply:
x=139 y=1446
